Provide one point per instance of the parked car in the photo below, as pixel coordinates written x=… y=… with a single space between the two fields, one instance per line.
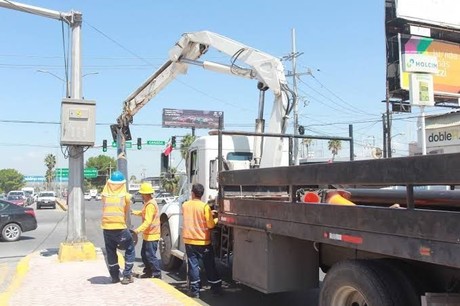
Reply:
x=14 y=220
x=17 y=200
x=46 y=198
x=87 y=196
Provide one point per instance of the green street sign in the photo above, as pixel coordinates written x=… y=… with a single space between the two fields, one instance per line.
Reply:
x=128 y=144
x=61 y=172
x=64 y=172
x=90 y=173
x=156 y=142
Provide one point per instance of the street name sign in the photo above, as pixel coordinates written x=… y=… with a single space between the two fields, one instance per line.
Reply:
x=156 y=142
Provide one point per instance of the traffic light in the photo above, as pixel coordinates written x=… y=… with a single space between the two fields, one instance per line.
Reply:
x=104 y=145
x=173 y=141
x=139 y=143
x=164 y=163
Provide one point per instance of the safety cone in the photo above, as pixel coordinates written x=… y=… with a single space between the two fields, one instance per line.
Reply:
x=337 y=199
x=311 y=197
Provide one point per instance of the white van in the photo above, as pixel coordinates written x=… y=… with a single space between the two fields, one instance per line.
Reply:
x=30 y=194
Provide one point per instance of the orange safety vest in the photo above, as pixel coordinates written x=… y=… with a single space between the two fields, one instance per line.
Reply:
x=152 y=232
x=196 y=228
x=114 y=198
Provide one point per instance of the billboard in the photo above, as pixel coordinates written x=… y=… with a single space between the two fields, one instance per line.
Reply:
x=187 y=118
x=447 y=81
x=443 y=13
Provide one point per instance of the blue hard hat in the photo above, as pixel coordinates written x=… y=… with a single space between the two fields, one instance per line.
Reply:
x=117 y=176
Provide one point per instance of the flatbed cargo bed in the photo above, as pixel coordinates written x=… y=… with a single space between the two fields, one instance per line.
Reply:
x=426 y=235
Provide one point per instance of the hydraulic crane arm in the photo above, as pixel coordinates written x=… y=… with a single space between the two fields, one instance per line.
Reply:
x=263 y=67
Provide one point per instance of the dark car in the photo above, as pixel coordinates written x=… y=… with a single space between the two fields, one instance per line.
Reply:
x=17 y=199
x=14 y=220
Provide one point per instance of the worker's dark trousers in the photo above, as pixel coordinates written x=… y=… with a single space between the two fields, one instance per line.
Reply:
x=123 y=238
x=206 y=254
x=149 y=258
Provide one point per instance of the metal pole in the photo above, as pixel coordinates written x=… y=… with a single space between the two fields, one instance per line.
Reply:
x=296 y=115
x=122 y=164
x=388 y=120
x=76 y=231
x=352 y=146
x=422 y=114
x=385 y=142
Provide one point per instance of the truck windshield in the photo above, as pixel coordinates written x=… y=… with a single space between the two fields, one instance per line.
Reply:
x=239 y=156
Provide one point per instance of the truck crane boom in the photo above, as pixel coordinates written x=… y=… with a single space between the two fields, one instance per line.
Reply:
x=267 y=69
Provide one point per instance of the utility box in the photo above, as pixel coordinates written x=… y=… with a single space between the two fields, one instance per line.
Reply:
x=78 y=122
x=274 y=263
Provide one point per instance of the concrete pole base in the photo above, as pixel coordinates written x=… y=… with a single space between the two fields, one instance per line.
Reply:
x=79 y=251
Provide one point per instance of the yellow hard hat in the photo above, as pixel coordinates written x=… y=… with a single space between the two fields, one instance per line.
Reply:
x=146 y=188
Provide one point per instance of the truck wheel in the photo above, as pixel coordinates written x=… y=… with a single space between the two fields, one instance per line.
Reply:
x=11 y=232
x=362 y=283
x=169 y=261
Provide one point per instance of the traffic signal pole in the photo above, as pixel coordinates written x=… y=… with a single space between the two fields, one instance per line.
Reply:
x=76 y=247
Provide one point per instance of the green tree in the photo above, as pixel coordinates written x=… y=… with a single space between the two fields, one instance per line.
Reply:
x=170 y=181
x=11 y=179
x=185 y=144
x=50 y=163
x=334 y=145
x=307 y=143
x=105 y=165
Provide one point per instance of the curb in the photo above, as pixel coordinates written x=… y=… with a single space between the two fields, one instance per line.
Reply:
x=21 y=270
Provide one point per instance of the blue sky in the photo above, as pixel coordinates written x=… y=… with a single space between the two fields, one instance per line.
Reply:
x=124 y=42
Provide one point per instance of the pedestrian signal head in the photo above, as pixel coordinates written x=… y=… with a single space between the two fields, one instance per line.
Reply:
x=117 y=177
x=146 y=188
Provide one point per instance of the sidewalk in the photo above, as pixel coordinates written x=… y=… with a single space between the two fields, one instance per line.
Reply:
x=42 y=280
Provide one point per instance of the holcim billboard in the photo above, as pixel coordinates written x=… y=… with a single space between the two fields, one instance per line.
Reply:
x=447 y=80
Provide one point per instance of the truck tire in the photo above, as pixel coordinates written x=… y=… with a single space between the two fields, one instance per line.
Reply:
x=362 y=282
x=411 y=287
x=169 y=261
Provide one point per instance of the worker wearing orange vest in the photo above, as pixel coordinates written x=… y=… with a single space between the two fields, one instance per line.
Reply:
x=116 y=200
x=150 y=228
x=197 y=225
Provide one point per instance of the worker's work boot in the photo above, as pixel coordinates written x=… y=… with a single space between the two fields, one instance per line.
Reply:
x=127 y=280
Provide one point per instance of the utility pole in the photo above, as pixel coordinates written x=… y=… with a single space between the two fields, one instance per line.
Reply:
x=292 y=57
x=76 y=246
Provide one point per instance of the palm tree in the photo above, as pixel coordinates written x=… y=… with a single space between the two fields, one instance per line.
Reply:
x=334 y=145
x=170 y=180
x=307 y=143
x=186 y=142
x=50 y=163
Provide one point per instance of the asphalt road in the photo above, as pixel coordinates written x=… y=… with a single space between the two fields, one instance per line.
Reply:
x=52 y=229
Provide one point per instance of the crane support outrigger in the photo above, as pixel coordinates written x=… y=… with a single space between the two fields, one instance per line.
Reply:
x=265 y=68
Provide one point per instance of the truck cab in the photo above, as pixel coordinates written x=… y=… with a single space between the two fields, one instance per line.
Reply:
x=202 y=167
